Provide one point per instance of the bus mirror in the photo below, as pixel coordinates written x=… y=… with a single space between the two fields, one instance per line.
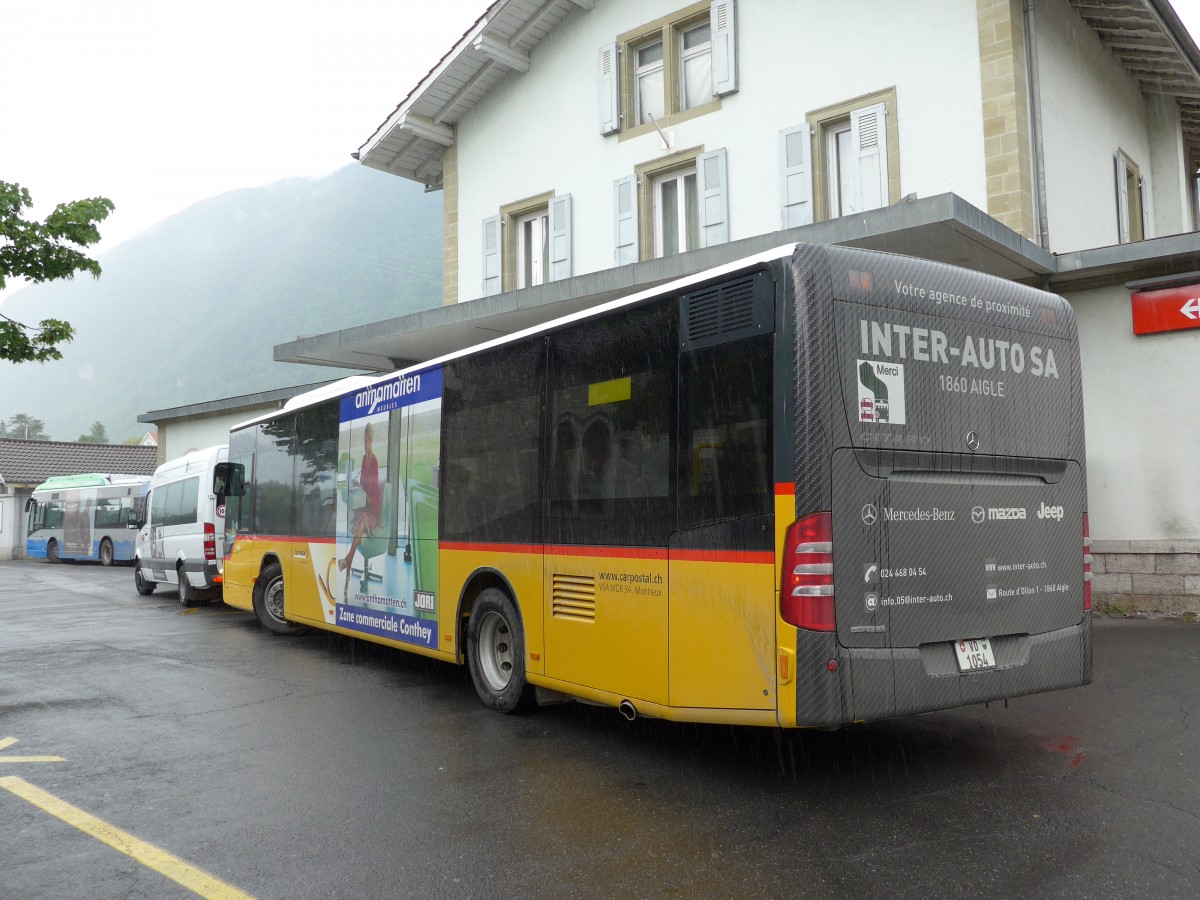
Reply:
x=229 y=480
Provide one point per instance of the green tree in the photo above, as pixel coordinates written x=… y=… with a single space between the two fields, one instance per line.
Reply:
x=97 y=434
x=43 y=251
x=26 y=428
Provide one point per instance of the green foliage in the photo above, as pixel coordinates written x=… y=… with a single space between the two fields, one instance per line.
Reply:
x=98 y=434
x=24 y=427
x=39 y=252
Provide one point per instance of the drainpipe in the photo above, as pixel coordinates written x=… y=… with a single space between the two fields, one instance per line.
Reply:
x=1035 y=123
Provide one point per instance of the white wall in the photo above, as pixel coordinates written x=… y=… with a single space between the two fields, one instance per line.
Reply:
x=177 y=438
x=1090 y=109
x=1142 y=432
x=540 y=131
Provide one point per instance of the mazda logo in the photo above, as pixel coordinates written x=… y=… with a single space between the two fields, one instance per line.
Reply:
x=977 y=515
x=869 y=514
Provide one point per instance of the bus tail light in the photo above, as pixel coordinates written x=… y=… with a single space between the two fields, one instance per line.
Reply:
x=210 y=542
x=1087 y=564
x=806 y=594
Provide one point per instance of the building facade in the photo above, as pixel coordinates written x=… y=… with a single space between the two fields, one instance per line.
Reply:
x=586 y=147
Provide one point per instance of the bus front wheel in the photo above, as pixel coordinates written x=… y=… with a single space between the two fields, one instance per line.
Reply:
x=496 y=653
x=268 y=602
x=106 y=552
x=52 y=551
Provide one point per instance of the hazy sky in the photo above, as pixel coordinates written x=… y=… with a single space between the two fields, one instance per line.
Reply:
x=156 y=104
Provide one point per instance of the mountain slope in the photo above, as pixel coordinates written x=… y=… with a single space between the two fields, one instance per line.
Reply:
x=191 y=309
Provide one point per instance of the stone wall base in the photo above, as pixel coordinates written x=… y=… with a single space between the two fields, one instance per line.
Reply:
x=1134 y=581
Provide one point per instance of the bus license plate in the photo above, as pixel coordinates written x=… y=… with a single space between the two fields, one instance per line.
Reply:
x=974 y=655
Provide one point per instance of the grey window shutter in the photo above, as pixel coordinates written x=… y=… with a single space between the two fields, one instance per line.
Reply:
x=796 y=176
x=722 y=15
x=714 y=198
x=868 y=137
x=625 y=216
x=560 y=237
x=491 y=256
x=610 y=99
x=1122 y=198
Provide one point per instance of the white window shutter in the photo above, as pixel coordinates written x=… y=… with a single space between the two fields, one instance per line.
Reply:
x=610 y=98
x=560 y=237
x=722 y=15
x=1143 y=197
x=1122 y=198
x=868 y=138
x=491 y=256
x=625 y=216
x=796 y=176
x=714 y=198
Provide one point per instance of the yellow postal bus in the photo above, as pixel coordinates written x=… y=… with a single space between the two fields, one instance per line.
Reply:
x=814 y=487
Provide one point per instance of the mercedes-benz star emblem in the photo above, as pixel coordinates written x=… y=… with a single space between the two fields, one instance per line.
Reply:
x=972 y=441
x=869 y=514
x=977 y=515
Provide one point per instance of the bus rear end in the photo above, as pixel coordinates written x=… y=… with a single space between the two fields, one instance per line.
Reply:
x=939 y=557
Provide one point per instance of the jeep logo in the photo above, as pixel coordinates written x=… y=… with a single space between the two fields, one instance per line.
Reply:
x=1006 y=512
x=1050 y=512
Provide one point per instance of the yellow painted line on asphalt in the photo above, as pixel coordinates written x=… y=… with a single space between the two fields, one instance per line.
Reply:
x=9 y=741
x=194 y=879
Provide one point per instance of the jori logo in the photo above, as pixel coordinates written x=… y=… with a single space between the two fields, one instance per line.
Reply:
x=1050 y=512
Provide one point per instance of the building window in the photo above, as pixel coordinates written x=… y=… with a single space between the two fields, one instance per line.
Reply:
x=670 y=205
x=527 y=244
x=855 y=166
x=676 y=213
x=668 y=70
x=1131 y=197
x=533 y=248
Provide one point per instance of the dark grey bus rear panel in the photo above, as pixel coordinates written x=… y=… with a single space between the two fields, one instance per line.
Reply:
x=940 y=419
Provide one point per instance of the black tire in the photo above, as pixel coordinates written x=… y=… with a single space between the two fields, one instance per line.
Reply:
x=496 y=653
x=106 y=552
x=268 y=602
x=52 y=551
x=144 y=586
x=187 y=593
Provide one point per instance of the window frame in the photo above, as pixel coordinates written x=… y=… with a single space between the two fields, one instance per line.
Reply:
x=669 y=29
x=1131 y=221
x=685 y=237
x=648 y=175
x=511 y=215
x=827 y=121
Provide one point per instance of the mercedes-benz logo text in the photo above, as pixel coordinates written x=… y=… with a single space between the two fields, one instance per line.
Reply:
x=869 y=514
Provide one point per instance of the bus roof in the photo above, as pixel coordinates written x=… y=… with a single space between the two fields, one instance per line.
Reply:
x=91 y=479
x=358 y=382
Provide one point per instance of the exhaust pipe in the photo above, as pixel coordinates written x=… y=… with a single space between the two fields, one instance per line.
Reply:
x=628 y=710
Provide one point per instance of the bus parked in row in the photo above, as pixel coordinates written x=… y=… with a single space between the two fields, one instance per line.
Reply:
x=182 y=536
x=814 y=487
x=92 y=517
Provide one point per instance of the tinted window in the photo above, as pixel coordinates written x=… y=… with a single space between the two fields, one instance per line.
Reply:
x=273 y=477
x=492 y=420
x=725 y=440
x=612 y=389
x=237 y=509
x=158 y=505
x=316 y=462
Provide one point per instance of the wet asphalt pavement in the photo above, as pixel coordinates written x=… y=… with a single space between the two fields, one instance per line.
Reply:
x=324 y=767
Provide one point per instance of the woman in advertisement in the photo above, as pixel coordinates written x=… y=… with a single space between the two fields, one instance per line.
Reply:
x=367 y=518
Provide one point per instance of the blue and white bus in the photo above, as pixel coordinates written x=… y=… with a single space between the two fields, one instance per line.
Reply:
x=92 y=516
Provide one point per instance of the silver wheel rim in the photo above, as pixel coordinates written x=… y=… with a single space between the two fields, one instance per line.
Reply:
x=273 y=599
x=495 y=651
x=138 y=577
x=105 y=553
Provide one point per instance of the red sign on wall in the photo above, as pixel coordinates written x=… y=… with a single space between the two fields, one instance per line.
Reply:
x=1167 y=310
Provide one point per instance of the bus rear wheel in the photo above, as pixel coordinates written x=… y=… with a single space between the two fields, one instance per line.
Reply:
x=496 y=653
x=52 y=551
x=106 y=552
x=268 y=602
x=187 y=593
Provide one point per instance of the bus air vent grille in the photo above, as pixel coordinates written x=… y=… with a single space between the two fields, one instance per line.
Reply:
x=727 y=312
x=574 y=597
